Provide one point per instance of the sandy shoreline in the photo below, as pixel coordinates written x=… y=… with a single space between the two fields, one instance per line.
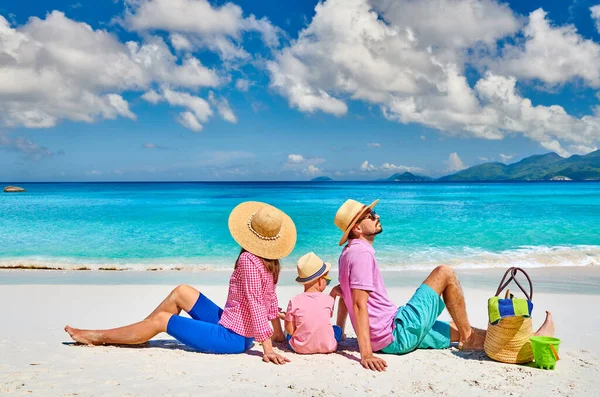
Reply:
x=35 y=361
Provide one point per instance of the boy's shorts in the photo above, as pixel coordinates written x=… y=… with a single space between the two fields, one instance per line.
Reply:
x=416 y=324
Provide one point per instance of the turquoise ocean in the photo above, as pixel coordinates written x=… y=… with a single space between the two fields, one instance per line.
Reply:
x=166 y=226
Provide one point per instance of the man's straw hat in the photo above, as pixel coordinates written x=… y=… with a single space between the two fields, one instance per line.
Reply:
x=311 y=267
x=348 y=214
x=262 y=229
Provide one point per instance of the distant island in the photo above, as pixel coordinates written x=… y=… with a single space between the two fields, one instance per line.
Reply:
x=543 y=167
x=408 y=177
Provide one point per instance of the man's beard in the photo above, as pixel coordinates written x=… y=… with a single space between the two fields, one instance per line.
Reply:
x=376 y=232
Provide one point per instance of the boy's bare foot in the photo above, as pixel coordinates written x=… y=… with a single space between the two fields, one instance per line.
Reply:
x=80 y=336
x=547 y=329
x=475 y=341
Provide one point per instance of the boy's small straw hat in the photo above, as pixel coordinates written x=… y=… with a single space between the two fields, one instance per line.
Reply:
x=350 y=212
x=262 y=230
x=311 y=267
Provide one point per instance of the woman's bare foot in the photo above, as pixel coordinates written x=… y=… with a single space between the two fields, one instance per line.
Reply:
x=547 y=329
x=81 y=336
x=475 y=341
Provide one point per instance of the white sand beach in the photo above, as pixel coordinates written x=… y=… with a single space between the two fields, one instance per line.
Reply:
x=36 y=357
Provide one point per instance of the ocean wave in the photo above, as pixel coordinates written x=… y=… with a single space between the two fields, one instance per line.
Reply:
x=422 y=259
x=472 y=258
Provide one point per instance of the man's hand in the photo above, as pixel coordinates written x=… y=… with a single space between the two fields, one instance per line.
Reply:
x=281 y=315
x=373 y=363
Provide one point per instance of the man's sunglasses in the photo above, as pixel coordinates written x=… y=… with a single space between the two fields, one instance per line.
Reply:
x=327 y=280
x=371 y=215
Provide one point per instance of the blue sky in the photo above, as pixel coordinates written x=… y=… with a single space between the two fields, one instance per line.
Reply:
x=267 y=90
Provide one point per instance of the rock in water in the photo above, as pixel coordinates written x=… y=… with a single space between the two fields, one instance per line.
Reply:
x=13 y=189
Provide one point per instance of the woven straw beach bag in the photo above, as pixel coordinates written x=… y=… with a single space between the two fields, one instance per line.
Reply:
x=508 y=340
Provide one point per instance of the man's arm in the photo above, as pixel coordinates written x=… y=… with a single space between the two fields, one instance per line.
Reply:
x=277 y=331
x=359 y=304
x=342 y=311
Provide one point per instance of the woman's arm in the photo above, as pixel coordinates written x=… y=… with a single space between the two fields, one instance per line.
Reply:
x=270 y=356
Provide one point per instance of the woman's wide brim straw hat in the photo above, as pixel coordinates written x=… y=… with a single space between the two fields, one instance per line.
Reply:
x=262 y=230
x=348 y=214
x=310 y=267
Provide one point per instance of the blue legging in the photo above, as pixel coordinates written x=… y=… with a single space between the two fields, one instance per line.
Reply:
x=203 y=333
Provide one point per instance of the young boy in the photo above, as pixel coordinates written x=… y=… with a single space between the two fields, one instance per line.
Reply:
x=307 y=316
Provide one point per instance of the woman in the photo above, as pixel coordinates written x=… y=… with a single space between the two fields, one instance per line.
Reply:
x=265 y=234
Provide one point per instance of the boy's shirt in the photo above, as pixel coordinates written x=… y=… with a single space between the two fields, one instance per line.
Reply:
x=310 y=312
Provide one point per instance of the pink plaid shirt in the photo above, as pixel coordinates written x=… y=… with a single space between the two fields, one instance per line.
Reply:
x=252 y=301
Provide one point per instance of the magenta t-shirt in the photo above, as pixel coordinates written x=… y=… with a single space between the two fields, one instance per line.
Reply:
x=358 y=270
x=310 y=312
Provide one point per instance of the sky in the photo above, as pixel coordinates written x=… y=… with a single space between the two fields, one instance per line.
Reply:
x=197 y=90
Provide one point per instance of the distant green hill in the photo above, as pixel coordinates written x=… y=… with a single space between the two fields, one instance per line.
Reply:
x=321 y=179
x=408 y=177
x=548 y=166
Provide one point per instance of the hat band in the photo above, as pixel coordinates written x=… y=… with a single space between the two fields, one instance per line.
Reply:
x=257 y=234
x=315 y=275
x=356 y=216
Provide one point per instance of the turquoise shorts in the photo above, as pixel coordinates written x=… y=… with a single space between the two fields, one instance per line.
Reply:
x=417 y=326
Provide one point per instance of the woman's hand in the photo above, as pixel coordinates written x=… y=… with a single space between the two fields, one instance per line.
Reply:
x=275 y=358
x=281 y=315
x=270 y=356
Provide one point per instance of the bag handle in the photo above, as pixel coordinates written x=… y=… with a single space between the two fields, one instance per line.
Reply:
x=513 y=272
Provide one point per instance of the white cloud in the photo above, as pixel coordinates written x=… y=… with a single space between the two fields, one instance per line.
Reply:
x=300 y=163
x=352 y=50
x=56 y=68
x=506 y=157
x=242 y=85
x=189 y=121
x=295 y=158
x=596 y=16
x=29 y=149
x=94 y=172
x=365 y=166
x=387 y=168
x=555 y=146
x=454 y=163
x=582 y=149
x=399 y=168
x=222 y=105
x=197 y=24
x=554 y=55
x=180 y=42
x=152 y=97
x=199 y=109
x=398 y=55
x=373 y=144
x=449 y=26
x=312 y=170
x=153 y=146
x=484 y=159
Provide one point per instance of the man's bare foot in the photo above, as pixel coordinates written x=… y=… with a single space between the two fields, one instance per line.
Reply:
x=475 y=341
x=547 y=329
x=80 y=335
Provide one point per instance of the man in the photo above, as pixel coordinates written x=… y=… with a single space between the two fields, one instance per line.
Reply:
x=379 y=324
